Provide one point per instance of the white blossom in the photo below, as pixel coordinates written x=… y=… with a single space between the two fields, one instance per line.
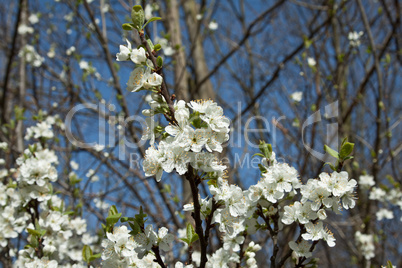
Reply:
x=297 y=96
x=311 y=62
x=213 y=25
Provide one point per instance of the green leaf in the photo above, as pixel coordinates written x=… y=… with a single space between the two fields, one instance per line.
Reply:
x=126 y=219
x=212 y=182
x=189 y=230
x=194 y=238
x=104 y=228
x=331 y=151
x=159 y=61
x=258 y=154
x=112 y=210
x=127 y=26
x=343 y=141
x=191 y=234
x=151 y=20
x=138 y=17
x=151 y=45
x=135 y=228
x=69 y=212
x=266 y=149
x=141 y=215
x=262 y=168
x=35 y=232
x=94 y=257
x=113 y=219
x=31 y=149
x=34 y=241
x=50 y=187
x=346 y=149
x=37 y=226
x=330 y=165
x=86 y=253
x=139 y=222
x=157 y=47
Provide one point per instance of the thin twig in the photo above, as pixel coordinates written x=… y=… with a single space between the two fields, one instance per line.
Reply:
x=242 y=41
x=164 y=90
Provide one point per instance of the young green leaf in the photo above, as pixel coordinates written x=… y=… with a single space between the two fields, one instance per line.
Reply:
x=113 y=219
x=86 y=253
x=127 y=26
x=192 y=236
x=140 y=218
x=159 y=61
x=262 y=168
x=94 y=257
x=34 y=241
x=138 y=17
x=346 y=149
x=135 y=228
x=151 y=45
x=112 y=210
x=157 y=47
x=35 y=232
x=126 y=219
x=185 y=240
x=151 y=20
x=331 y=151
x=343 y=141
x=330 y=165
x=266 y=149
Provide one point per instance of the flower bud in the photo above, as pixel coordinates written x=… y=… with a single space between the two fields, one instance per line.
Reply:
x=157 y=97
x=148 y=112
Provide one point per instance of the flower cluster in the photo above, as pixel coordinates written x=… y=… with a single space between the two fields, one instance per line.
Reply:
x=141 y=77
x=389 y=198
x=30 y=54
x=28 y=207
x=190 y=141
x=389 y=203
x=354 y=38
x=123 y=249
x=319 y=195
x=366 y=244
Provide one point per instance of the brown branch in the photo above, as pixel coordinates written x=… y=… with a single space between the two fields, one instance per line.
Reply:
x=197 y=215
x=301 y=260
x=159 y=260
x=9 y=63
x=209 y=224
x=289 y=252
x=273 y=232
